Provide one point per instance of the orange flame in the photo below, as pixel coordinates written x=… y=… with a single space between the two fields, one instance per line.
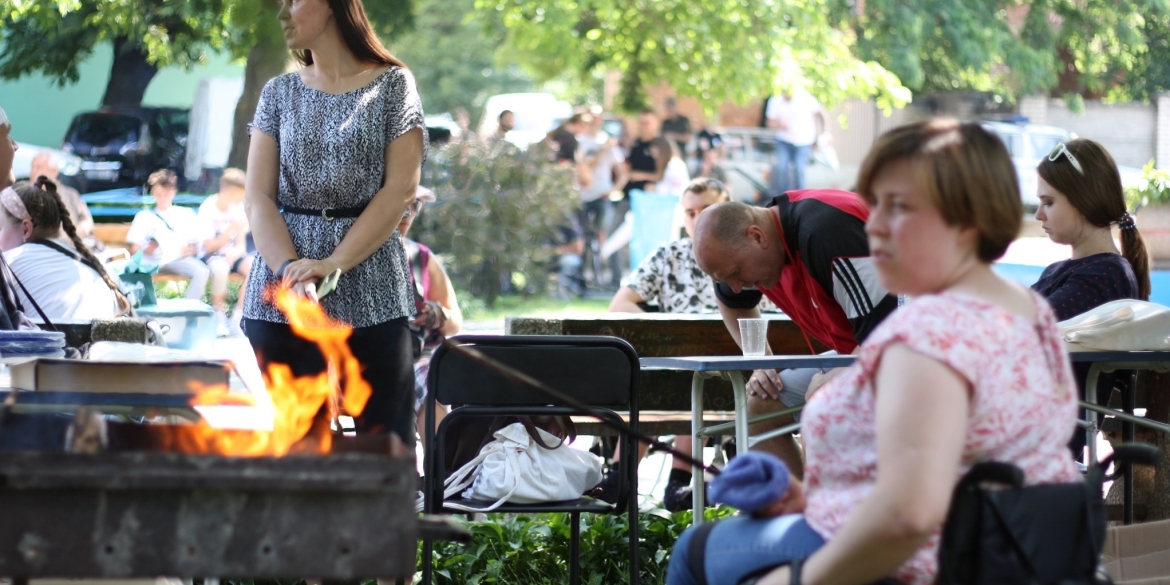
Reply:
x=303 y=406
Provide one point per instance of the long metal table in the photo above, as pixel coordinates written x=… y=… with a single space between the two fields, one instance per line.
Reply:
x=732 y=368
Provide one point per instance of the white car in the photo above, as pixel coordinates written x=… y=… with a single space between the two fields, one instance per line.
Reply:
x=1028 y=144
x=750 y=153
x=69 y=165
x=534 y=116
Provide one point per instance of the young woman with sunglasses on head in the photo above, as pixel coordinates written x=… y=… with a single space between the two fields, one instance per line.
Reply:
x=1080 y=200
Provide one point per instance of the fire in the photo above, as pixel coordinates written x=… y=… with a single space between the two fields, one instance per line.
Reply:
x=303 y=406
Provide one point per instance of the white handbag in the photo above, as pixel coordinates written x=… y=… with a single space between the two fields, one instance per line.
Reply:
x=514 y=468
x=1123 y=325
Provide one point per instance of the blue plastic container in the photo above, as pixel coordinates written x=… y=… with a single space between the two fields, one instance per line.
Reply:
x=190 y=323
x=653 y=216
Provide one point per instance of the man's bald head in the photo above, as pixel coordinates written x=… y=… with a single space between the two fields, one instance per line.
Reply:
x=735 y=243
x=724 y=225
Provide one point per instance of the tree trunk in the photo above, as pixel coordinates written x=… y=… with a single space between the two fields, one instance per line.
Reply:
x=130 y=74
x=267 y=59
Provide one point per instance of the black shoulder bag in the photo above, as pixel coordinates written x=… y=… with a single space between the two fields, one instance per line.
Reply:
x=999 y=532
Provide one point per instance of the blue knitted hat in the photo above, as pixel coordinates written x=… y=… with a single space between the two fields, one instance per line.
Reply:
x=750 y=481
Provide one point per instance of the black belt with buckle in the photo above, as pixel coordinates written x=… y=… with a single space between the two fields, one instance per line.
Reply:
x=328 y=213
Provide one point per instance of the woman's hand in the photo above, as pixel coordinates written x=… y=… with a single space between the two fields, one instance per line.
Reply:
x=306 y=290
x=308 y=270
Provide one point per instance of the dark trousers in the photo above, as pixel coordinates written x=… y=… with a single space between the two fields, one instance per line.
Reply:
x=384 y=351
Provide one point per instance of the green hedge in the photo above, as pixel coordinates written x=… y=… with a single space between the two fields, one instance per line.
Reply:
x=534 y=549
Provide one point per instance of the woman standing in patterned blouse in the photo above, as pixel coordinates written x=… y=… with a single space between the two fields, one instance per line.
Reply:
x=1080 y=200
x=335 y=158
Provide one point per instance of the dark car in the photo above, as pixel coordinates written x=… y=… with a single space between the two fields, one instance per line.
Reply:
x=121 y=146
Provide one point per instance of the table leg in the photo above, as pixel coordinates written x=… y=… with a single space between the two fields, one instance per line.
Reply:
x=698 y=487
x=1095 y=419
x=739 y=388
x=1127 y=435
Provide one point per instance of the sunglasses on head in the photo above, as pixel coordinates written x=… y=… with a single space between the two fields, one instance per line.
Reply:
x=1061 y=149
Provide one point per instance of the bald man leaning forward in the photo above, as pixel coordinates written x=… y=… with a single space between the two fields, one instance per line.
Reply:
x=807 y=252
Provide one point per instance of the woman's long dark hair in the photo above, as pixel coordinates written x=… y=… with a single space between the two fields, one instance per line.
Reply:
x=48 y=213
x=1097 y=194
x=357 y=33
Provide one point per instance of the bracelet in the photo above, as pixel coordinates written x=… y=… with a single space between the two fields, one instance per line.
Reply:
x=280 y=272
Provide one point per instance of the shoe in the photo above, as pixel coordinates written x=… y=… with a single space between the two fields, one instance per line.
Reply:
x=607 y=490
x=677 y=496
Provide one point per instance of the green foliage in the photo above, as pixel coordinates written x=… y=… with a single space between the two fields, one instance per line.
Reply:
x=1116 y=48
x=534 y=549
x=1154 y=188
x=713 y=50
x=497 y=215
x=55 y=36
x=453 y=58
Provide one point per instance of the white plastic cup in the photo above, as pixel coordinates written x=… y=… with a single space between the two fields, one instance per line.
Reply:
x=753 y=335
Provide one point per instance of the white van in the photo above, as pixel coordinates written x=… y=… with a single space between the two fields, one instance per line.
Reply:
x=535 y=114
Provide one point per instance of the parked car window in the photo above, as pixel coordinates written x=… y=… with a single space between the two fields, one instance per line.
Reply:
x=106 y=130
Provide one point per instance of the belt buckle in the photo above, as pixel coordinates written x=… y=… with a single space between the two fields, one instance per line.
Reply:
x=325 y=214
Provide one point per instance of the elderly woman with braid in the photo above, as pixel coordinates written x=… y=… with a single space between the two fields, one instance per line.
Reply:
x=43 y=248
x=1081 y=199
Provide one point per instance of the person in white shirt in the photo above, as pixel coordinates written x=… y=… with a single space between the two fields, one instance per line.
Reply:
x=602 y=155
x=795 y=116
x=224 y=223
x=169 y=236
x=48 y=257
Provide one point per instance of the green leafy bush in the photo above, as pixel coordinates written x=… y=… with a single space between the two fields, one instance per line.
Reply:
x=1153 y=190
x=534 y=549
x=498 y=211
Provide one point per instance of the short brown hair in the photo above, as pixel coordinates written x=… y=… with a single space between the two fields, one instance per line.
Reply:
x=162 y=177
x=966 y=172
x=706 y=184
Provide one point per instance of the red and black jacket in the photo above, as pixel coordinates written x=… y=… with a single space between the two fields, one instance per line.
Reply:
x=829 y=286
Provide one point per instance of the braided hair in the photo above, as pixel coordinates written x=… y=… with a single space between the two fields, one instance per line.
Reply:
x=49 y=216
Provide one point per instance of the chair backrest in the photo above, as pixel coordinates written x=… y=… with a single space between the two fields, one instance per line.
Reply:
x=599 y=371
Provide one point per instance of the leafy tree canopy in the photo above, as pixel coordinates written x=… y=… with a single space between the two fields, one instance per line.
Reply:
x=1016 y=47
x=454 y=58
x=55 y=36
x=713 y=50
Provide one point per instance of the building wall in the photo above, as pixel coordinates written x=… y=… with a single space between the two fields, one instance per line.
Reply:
x=41 y=111
x=1129 y=131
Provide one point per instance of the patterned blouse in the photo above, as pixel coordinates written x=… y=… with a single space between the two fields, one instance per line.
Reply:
x=1022 y=409
x=332 y=155
x=672 y=278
